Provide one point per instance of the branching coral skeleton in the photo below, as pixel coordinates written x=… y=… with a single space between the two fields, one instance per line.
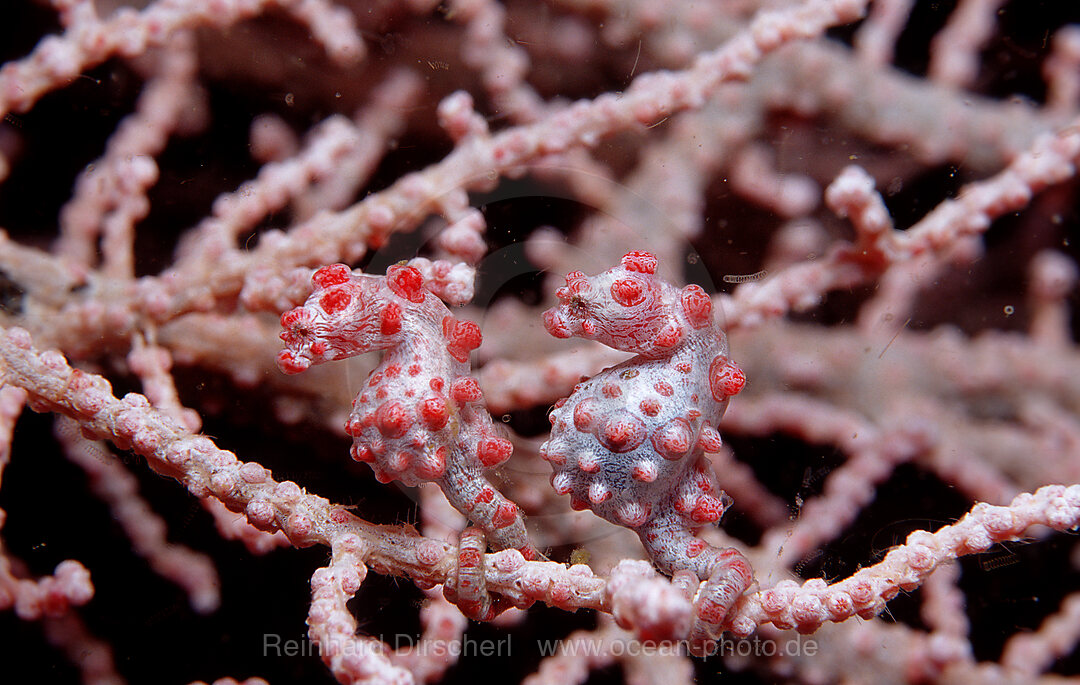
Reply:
x=713 y=143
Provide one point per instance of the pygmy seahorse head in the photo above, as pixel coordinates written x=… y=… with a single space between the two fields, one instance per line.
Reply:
x=348 y=314
x=629 y=308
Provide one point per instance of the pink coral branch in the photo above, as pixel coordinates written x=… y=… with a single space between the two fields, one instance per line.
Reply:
x=1050 y=160
x=650 y=99
x=806 y=607
x=89 y=40
x=49 y=596
x=111 y=482
x=353 y=660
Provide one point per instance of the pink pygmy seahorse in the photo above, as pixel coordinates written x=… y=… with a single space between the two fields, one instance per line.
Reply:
x=419 y=416
x=630 y=442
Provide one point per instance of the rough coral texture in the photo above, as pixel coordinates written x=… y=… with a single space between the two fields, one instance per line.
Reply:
x=419 y=416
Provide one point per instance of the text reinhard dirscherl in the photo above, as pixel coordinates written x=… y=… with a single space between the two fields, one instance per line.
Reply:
x=465 y=646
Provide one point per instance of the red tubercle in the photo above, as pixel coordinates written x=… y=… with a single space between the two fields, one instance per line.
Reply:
x=674 y=439
x=407 y=282
x=354 y=427
x=560 y=484
x=293 y=318
x=505 y=514
x=493 y=451
x=697 y=306
x=552 y=456
x=634 y=514
x=644 y=472
x=555 y=324
x=468 y=335
x=611 y=390
x=640 y=261
x=576 y=281
x=292 y=364
x=707 y=510
x=725 y=378
x=381 y=474
x=334 y=274
x=433 y=412
x=669 y=335
x=599 y=493
x=393 y=419
x=710 y=440
x=462 y=337
x=390 y=319
x=586 y=414
x=464 y=390
x=335 y=301
x=588 y=462
x=628 y=291
x=362 y=453
x=621 y=432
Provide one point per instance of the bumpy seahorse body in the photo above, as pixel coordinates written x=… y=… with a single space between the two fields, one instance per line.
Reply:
x=419 y=415
x=630 y=442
